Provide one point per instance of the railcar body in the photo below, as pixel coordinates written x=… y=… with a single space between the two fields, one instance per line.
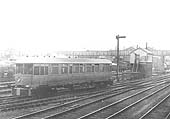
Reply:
x=34 y=74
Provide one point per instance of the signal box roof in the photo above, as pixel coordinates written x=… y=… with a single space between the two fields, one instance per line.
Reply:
x=62 y=60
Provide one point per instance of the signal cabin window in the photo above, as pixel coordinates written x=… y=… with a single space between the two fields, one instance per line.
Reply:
x=28 y=68
x=64 y=69
x=81 y=68
x=75 y=68
x=96 y=67
x=19 y=68
x=36 y=70
x=88 y=68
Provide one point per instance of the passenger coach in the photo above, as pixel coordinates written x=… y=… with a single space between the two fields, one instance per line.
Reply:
x=37 y=75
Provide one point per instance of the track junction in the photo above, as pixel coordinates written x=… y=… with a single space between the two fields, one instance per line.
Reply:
x=147 y=98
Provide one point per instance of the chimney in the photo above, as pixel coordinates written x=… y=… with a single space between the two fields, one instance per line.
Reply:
x=146 y=45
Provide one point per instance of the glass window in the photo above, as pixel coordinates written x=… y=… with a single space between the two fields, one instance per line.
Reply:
x=28 y=68
x=41 y=70
x=19 y=68
x=64 y=69
x=71 y=69
x=81 y=68
x=92 y=68
x=88 y=68
x=75 y=68
x=101 y=66
x=96 y=67
x=36 y=70
x=46 y=70
x=106 y=68
x=55 y=70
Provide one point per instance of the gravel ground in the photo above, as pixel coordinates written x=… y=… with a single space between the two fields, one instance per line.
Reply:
x=18 y=112
x=15 y=113
x=138 y=110
x=123 y=104
x=161 y=111
x=95 y=106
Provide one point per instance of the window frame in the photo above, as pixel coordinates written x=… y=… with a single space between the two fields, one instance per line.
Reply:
x=55 y=66
x=22 y=68
x=28 y=70
x=76 y=68
x=64 y=68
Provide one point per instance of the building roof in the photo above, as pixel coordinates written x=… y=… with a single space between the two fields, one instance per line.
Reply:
x=143 y=49
x=62 y=60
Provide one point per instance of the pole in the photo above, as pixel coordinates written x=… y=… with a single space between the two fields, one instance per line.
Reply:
x=117 y=71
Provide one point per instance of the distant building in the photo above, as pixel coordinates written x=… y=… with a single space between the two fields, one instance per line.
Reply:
x=143 y=54
x=141 y=61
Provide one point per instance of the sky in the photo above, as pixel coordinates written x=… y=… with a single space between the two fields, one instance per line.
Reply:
x=76 y=25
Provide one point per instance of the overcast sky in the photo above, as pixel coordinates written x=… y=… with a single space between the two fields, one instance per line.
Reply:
x=83 y=24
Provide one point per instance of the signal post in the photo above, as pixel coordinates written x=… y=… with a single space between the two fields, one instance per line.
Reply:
x=117 y=71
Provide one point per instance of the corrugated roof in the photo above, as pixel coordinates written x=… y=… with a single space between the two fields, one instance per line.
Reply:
x=62 y=60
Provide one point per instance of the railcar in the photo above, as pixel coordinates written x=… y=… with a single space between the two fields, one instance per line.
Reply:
x=37 y=75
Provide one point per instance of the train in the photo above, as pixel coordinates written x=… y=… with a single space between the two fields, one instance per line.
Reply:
x=36 y=76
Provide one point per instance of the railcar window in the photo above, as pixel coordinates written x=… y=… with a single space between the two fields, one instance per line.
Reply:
x=55 y=70
x=19 y=68
x=64 y=69
x=36 y=70
x=88 y=68
x=75 y=68
x=92 y=68
x=41 y=70
x=81 y=68
x=46 y=70
x=106 y=68
x=101 y=68
x=96 y=67
x=71 y=69
x=28 y=68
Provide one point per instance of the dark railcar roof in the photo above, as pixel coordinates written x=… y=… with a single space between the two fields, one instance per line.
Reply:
x=62 y=60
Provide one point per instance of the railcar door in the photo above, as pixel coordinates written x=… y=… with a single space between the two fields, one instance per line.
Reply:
x=40 y=76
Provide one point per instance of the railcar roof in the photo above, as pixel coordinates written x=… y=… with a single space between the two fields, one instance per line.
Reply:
x=62 y=60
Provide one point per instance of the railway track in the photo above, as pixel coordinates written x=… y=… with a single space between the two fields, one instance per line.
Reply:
x=5 y=91
x=68 y=105
x=158 y=111
x=29 y=102
x=150 y=102
x=119 y=86
x=74 y=105
x=5 y=88
x=120 y=111
x=7 y=83
x=99 y=107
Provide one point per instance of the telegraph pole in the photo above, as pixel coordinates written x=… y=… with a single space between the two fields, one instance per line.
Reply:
x=117 y=71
